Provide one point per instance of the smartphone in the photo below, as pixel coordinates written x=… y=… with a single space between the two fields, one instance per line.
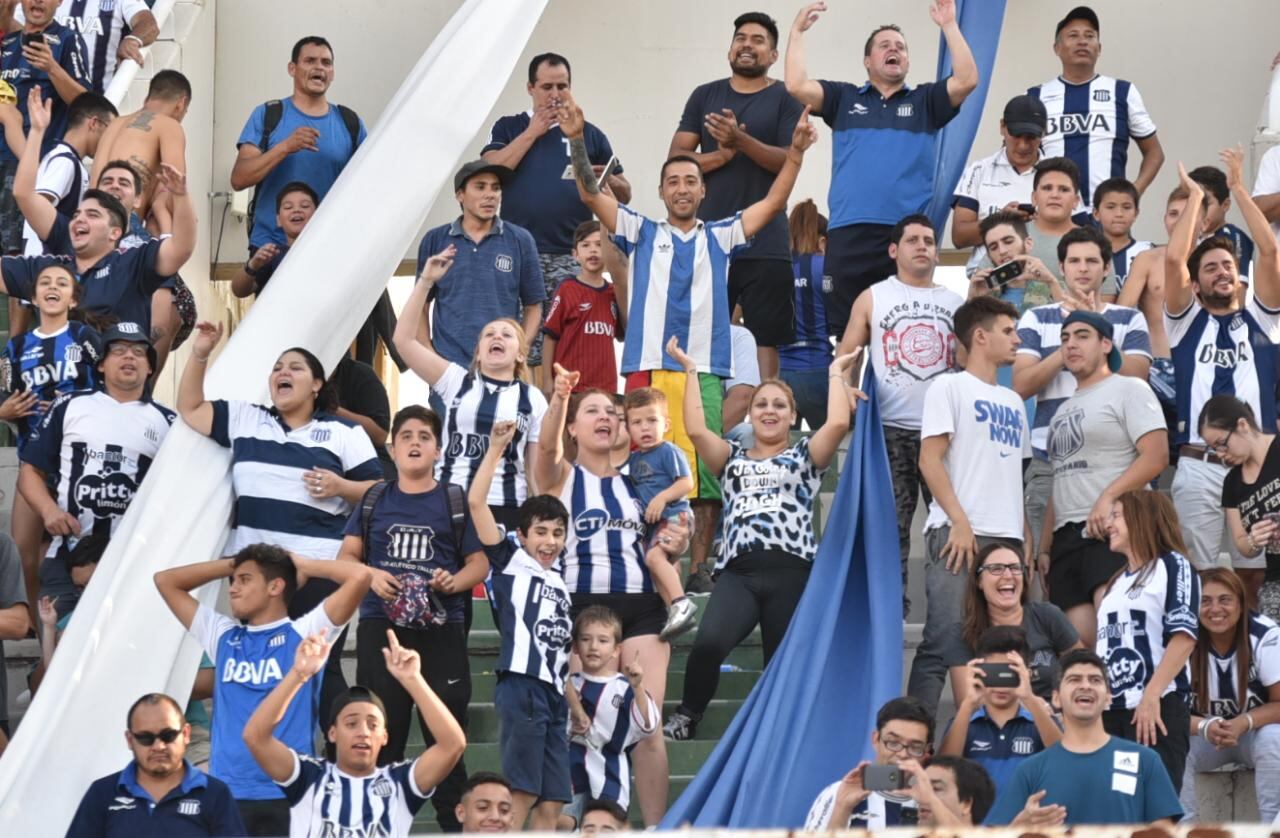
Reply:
x=606 y=171
x=1275 y=517
x=999 y=676
x=29 y=38
x=877 y=777
x=1006 y=273
x=1027 y=209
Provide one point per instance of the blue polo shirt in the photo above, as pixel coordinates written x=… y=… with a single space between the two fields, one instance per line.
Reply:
x=1001 y=749
x=116 y=806
x=882 y=157
x=496 y=277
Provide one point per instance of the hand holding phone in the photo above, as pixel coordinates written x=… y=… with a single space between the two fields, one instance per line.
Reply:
x=1005 y=274
x=876 y=777
x=1000 y=676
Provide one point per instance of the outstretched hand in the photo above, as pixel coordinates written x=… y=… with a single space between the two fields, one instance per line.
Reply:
x=404 y=664
x=437 y=266
x=502 y=434
x=806 y=134
x=172 y=180
x=1233 y=160
x=39 y=110
x=565 y=381
x=572 y=121
x=808 y=16
x=680 y=356
x=942 y=12
x=312 y=655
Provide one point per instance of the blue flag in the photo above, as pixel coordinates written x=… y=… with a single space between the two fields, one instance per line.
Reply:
x=980 y=22
x=809 y=718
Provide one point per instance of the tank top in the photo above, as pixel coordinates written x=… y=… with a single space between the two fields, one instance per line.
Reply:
x=604 y=547
x=912 y=342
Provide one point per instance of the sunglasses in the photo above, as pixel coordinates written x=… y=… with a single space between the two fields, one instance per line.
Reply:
x=146 y=738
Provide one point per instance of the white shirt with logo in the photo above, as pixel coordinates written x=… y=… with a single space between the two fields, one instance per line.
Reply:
x=912 y=342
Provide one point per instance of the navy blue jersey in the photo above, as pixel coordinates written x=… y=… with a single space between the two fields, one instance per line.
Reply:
x=812 y=347
x=50 y=365
x=68 y=52
x=117 y=806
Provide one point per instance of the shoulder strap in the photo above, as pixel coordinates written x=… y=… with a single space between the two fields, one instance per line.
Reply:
x=270 y=119
x=457 y=511
x=352 y=121
x=367 y=503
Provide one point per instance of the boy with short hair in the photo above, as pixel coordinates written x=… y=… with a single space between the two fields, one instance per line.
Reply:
x=532 y=605
x=999 y=727
x=1217 y=196
x=584 y=318
x=1115 y=208
x=662 y=479
x=612 y=714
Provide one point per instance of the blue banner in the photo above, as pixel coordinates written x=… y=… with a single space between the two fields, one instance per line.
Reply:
x=809 y=718
x=980 y=21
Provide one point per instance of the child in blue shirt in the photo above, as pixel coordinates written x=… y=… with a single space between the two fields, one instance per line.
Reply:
x=662 y=479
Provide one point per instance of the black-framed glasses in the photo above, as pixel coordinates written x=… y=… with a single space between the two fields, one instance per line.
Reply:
x=147 y=738
x=1010 y=569
x=1220 y=447
x=915 y=749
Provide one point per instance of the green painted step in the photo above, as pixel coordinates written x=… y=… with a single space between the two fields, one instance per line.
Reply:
x=732 y=684
x=684 y=757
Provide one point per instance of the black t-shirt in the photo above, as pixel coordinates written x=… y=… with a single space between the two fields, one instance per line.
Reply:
x=1256 y=499
x=1049 y=634
x=770 y=116
x=360 y=391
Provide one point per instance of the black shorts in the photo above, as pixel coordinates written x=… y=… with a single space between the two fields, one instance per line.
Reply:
x=857 y=258
x=641 y=614
x=765 y=288
x=1078 y=566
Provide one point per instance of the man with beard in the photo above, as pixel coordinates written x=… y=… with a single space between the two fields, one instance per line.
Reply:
x=1090 y=777
x=742 y=126
x=159 y=793
x=1218 y=346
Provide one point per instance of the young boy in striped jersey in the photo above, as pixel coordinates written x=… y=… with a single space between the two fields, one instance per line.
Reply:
x=612 y=712
x=532 y=605
x=353 y=795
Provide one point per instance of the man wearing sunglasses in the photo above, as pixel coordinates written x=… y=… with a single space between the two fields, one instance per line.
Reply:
x=159 y=793
x=903 y=734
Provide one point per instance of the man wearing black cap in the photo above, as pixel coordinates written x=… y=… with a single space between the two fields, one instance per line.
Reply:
x=100 y=444
x=353 y=796
x=1003 y=180
x=495 y=272
x=1108 y=438
x=1092 y=117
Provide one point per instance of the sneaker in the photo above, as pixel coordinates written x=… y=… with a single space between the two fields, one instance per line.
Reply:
x=680 y=726
x=681 y=616
x=699 y=583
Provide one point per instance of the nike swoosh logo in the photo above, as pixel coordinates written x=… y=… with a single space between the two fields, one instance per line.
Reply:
x=1004 y=454
x=452 y=681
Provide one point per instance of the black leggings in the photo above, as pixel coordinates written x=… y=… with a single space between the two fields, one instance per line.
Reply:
x=762 y=588
x=446 y=668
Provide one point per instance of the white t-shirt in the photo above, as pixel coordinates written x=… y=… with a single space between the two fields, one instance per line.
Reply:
x=989 y=438
x=746 y=365
x=61 y=171
x=912 y=342
x=1268 y=182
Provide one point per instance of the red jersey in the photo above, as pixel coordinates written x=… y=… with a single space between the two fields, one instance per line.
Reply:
x=584 y=322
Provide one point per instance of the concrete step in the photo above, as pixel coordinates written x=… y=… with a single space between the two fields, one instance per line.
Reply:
x=684 y=757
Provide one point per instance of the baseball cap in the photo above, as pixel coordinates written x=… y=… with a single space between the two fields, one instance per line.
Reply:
x=1025 y=116
x=1079 y=13
x=476 y=167
x=355 y=694
x=126 y=331
x=1103 y=327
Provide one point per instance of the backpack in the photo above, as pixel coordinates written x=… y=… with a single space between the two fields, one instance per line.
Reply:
x=271 y=119
x=457 y=512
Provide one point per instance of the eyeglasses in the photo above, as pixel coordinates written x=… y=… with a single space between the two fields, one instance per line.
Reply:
x=1011 y=569
x=1220 y=446
x=146 y=738
x=137 y=350
x=915 y=749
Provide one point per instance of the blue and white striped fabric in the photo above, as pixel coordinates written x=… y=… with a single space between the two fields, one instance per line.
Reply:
x=604 y=548
x=600 y=761
x=533 y=614
x=325 y=801
x=680 y=287
x=273 y=505
x=1040 y=331
x=1091 y=124
x=1138 y=617
x=473 y=403
x=1122 y=260
x=1234 y=353
x=1264 y=670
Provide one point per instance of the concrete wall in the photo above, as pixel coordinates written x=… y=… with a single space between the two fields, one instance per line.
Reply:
x=634 y=65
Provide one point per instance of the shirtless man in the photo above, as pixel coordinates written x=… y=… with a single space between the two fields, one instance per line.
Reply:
x=149 y=137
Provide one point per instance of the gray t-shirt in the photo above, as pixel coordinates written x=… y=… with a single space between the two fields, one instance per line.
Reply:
x=1045 y=248
x=13 y=591
x=1093 y=439
x=1049 y=634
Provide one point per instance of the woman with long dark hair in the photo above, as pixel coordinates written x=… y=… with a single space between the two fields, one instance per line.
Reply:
x=1147 y=627
x=803 y=364
x=997 y=596
x=1235 y=685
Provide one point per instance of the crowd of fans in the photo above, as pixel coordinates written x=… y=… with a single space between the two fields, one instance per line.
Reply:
x=1106 y=640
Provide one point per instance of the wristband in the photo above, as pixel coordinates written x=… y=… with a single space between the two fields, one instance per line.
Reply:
x=1249 y=719
x=250 y=271
x=141 y=43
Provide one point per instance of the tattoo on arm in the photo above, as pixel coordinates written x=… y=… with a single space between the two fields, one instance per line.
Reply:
x=582 y=165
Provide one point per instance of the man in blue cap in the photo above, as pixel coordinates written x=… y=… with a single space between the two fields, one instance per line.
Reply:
x=1108 y=438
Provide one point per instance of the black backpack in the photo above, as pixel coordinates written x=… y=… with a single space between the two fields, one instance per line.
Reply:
x=457 y=512
x=271 y=119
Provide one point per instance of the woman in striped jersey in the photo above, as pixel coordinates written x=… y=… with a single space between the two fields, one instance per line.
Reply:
x=604 y=550
x=494 y=389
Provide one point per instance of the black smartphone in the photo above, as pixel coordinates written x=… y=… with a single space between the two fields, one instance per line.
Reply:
x=999 y=676
x=29 y=38
x=1027 y=209
x=1006 y=273
x=877 y=777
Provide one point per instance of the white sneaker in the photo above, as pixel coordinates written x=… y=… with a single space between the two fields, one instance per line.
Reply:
x=681 y=617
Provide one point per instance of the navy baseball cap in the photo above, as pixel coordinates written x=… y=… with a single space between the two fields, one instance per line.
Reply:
x=1103 y=327
x=1079 y=13
x=126 y=331
x=478 y=167
x=1025 y=116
